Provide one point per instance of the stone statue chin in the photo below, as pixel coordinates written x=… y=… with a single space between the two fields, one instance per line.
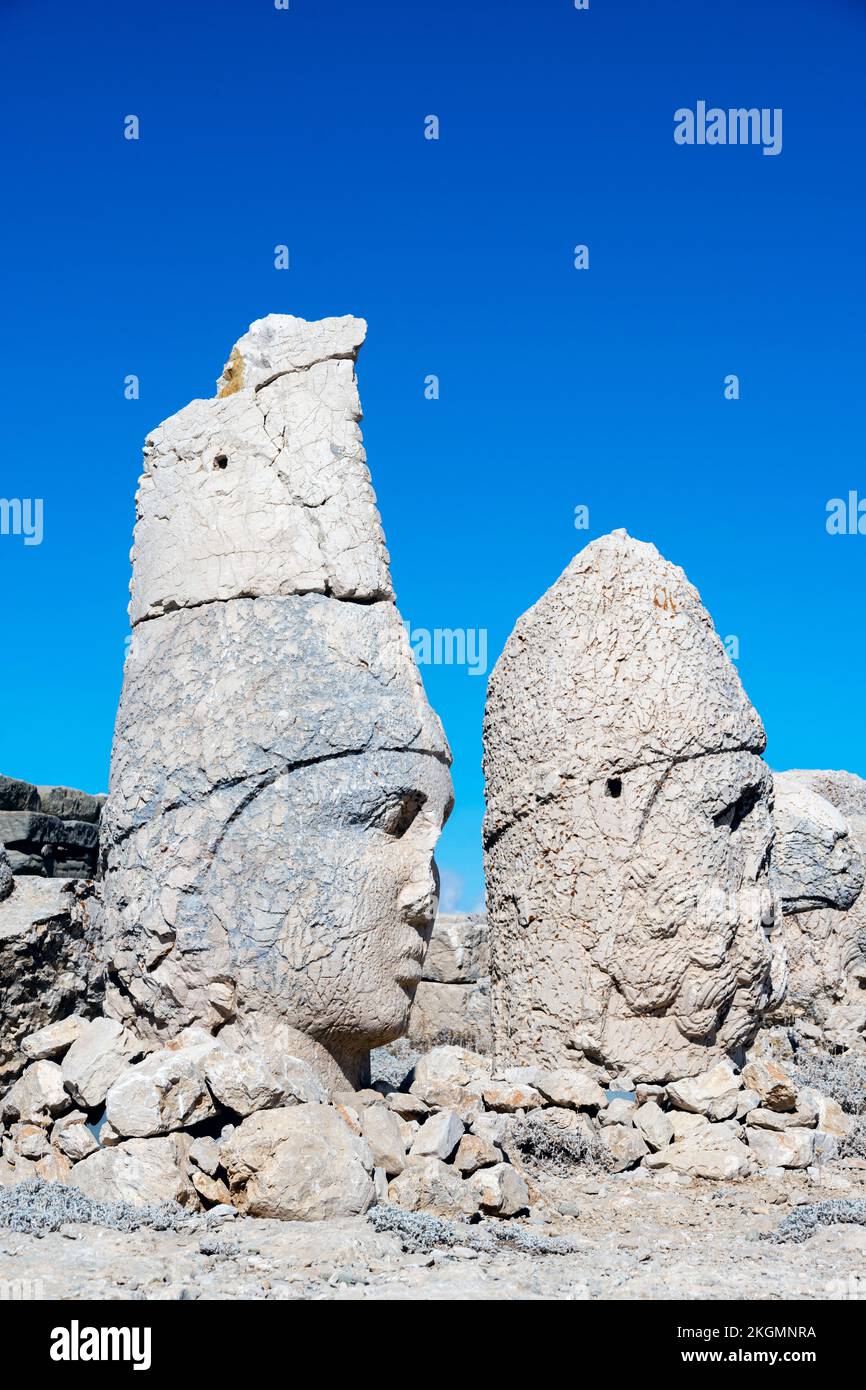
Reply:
x=278 y=779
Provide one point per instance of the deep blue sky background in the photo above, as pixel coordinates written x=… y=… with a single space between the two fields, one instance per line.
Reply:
x=558 y=387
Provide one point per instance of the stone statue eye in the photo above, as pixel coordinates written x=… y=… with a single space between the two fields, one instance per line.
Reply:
x=614 y=786
x=734 y=814
x=220 y=461
x=400 y=814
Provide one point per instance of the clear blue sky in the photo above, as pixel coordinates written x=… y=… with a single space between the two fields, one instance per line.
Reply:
x=558 y=387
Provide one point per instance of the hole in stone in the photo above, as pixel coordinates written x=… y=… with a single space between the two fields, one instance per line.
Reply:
x=220 y=461
x=614 y=786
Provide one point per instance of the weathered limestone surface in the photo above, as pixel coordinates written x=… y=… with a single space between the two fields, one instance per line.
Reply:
x=278 y=780
x=629 y=827
x=817 y=860
x=50 y=964
x=826 y=944
x=50 y=832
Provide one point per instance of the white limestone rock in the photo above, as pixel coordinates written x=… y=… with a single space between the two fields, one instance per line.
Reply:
x=715 y=1093
x=789 y=1148
x=54 y=1039
x=102 y=1050
x=37 y=1096
x=628 y=832
x=165 y=1091
x=773 y=1084
x=654 y=1125
x=73 y=1137
x=438 y=1137
x=500 y=1190
x=140 y=1171
x=704 y=1154
x=458 y=952
x=429 y=1185
x=298 y=1164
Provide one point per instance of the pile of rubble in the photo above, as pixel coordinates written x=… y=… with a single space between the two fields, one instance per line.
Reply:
x=208 y=1121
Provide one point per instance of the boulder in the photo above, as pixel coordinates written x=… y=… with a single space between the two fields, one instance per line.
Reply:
x=246 y=1081
x=713 y=1093
x=438 y=1136
x=72 y=1135
x=631 y=901
x=458 y=952
x=449 y=1066
x=510 y=1096
x=574 y=1089
x=500 y=1190
x=429 y=1185
x=448 y=1013
x=627 y=1146
x=704 y=1155
x=476 y=1151
x=276 y=865
x=381 y=1129
x=54 y=1039
x=37 y=1096
x=298 y=1164
x=789 y=1148
x=102 y=1050
x=165 y=1091
x=772 y=1083
x=654 y=1125
x=140 y=1171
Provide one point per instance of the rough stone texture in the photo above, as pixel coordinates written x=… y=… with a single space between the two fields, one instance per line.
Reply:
x=704 y=1155
x=54 y=1039
x=49 y=832
x=50 y=962
x=628 y=828
x=37 y=1096
x=247 y=1079
x=140 y=1171
x=452 y=1013
x=429 y=1185
x=438 y=1137
x=826 y=948
x=789 y=1148
x=300 y=1164
x=6 y=883
x=278 y=780
x=500 y=1190
x=459 y=951
x=165 y=1091
x=96 y=1059
x=772 y=1083
x=714 y=1094
x=817 y=862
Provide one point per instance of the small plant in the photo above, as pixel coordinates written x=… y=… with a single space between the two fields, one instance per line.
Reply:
x=804 y=1221
x=558 y=1150
x=841 y=1076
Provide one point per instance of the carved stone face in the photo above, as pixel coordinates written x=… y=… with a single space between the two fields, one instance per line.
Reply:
x=629 y=828
x=328 y=882
x=278 y=779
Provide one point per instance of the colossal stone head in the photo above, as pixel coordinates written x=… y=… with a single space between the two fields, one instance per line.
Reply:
x=821 y=849
x=629 y=828
x=278 y=779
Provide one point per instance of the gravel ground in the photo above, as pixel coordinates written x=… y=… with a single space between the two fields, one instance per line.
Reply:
x=624 y=1237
